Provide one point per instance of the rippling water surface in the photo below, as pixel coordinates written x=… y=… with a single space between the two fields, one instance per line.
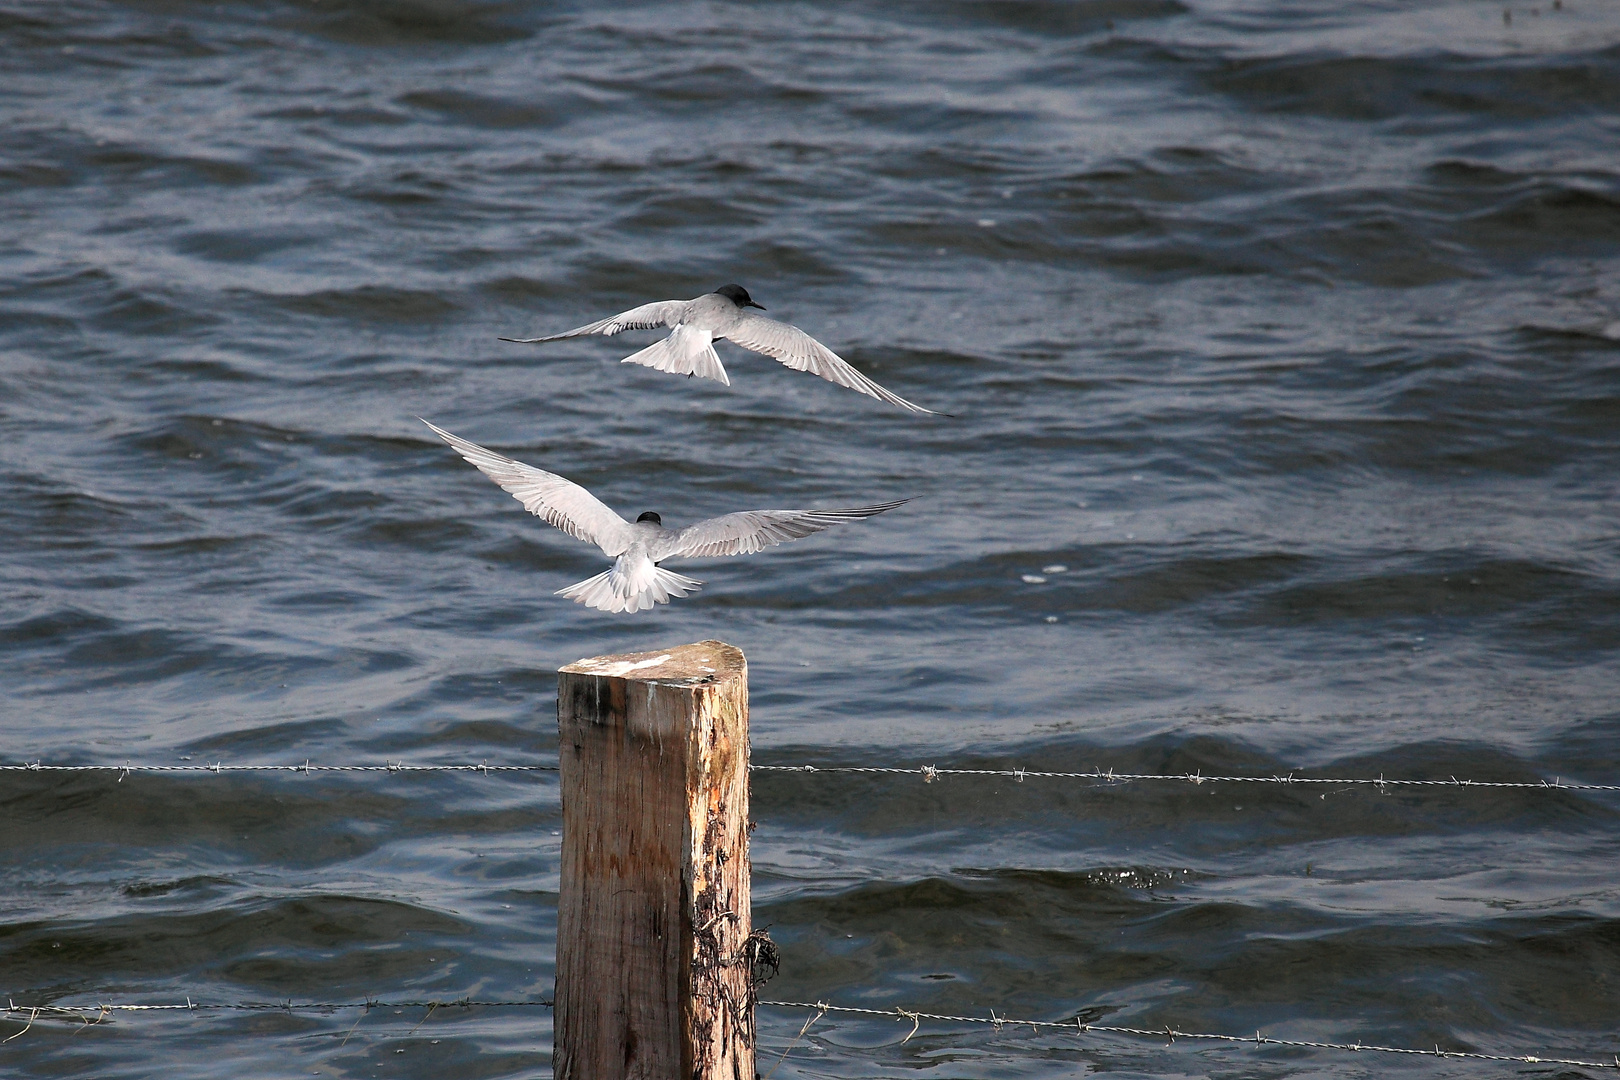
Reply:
x=1284 y=343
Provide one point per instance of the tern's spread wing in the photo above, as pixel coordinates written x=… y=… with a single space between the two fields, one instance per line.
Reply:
x=646 y=317
x=755 y=530
x=561 y=502
x=801 y=352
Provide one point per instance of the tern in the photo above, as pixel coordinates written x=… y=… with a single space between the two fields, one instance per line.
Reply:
x=636 y=582
x=724 y=314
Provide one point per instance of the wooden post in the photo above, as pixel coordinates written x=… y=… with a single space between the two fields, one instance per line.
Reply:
x=653 y=908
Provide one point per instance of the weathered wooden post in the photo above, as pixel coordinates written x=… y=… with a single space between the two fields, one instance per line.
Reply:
x=653 y=910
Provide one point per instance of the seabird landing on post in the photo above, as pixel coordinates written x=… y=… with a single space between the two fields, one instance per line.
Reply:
x=636 y=582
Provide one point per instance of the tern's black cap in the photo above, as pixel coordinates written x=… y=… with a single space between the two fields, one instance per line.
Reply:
x=650 y=516
x=738 y=295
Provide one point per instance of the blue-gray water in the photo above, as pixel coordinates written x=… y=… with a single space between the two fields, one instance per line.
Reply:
x=1291 y=330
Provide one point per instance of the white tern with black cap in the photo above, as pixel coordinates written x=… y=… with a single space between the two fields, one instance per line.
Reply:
x=636 y=582
x=724 y=314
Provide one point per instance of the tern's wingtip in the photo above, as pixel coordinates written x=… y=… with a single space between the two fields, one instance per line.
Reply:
x=913 y=407
x=439 y=431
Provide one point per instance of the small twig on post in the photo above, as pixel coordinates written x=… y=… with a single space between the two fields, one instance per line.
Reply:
x=432 y=1005
x=821 y=1010
x=32 y=1014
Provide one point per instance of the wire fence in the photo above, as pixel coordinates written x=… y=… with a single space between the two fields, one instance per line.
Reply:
x=89 y=1016
x=220 y=768
x=1080 y=1027
x=101 y=1011
x=930 y=773
x=1098 y=777
x=927 y=773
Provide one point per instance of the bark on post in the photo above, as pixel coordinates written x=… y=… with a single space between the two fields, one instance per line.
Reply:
x=653 y=910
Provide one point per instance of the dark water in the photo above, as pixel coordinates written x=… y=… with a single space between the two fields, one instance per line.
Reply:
x=1291 y=330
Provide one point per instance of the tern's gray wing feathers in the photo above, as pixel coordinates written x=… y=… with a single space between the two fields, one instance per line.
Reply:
x=755 y=530
x=646 y=317
x=801 y=352
x=560 y=502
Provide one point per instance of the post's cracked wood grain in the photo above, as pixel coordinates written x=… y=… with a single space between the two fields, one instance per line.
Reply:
x=653 y=905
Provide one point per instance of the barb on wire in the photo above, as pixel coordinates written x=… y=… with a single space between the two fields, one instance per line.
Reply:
x=821 y=1008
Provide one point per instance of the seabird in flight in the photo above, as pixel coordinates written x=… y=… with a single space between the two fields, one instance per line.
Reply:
x=636 y=582
x=698 y=324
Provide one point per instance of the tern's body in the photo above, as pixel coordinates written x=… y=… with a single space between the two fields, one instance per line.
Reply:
x=636 y=582
x=723 y=315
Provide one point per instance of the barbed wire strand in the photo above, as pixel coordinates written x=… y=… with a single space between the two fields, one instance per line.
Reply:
x=101 y=1010
x=220 y=767
x=928 y=773
x=1080 y=1027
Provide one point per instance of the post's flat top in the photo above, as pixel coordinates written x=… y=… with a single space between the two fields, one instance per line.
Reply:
x=703 y=661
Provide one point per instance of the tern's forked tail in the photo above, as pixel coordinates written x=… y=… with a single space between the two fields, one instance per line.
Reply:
x=687 y=351
x=637 y=587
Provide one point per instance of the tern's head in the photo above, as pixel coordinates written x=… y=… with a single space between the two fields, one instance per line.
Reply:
x=738 y=295
x=650 y=516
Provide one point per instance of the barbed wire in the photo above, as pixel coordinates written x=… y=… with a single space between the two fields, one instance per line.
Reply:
x=928 y=773
x=27 y=1015
x=14 y=1012
x=97 y=1013
x=77 y=1011
x=220 y=767
x=1080 y=1027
